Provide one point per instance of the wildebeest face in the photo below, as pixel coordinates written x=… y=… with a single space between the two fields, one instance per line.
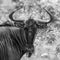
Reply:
x=30 y=32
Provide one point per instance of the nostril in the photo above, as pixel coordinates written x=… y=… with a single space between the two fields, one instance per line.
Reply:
x=30 y=48
x=30 y=51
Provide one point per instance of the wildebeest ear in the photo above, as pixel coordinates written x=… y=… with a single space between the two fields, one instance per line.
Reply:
x=7 y=23
x=41 y=25
x=19 y=24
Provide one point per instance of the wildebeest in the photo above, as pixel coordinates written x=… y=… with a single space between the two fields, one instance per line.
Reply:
x=17 y=39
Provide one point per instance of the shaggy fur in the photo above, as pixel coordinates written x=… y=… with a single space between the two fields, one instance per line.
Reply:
x=12 y=43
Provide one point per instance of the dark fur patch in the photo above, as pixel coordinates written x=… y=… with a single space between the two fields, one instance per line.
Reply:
x=11 y=44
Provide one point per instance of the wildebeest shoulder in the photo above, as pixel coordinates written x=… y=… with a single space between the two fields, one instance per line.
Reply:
x=11 y=44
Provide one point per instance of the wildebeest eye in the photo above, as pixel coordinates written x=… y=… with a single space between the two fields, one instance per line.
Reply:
x=41 y=25
x=19 y=24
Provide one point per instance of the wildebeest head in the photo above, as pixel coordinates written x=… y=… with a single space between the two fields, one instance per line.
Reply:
x=29 y=29
x=23 y=38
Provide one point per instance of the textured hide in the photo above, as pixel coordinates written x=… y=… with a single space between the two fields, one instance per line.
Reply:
x=12 y=44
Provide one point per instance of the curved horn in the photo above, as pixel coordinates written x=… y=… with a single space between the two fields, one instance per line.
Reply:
x=52 y=17
x=11 y=17
x=18 y=23
x=41 y=24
